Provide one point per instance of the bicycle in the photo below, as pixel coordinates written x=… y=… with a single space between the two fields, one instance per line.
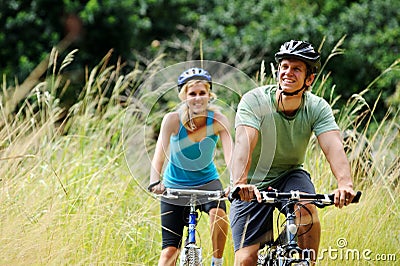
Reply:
x=284 y=249
x=191 y=253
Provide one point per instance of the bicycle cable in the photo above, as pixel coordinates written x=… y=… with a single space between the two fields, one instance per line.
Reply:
x=299 y=206
x=311 y=223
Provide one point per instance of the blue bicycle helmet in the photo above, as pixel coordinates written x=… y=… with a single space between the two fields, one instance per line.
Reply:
x=300 y=50
x=193 y=73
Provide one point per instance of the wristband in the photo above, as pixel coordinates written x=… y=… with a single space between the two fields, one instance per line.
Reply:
x=150 y=187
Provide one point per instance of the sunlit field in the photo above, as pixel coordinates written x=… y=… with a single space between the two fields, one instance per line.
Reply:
x=69 y=197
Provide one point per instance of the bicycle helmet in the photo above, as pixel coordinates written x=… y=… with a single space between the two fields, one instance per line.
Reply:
x=193 y=73
x=300 y=50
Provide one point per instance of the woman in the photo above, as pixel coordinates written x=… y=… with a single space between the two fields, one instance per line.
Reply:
x=191 y=134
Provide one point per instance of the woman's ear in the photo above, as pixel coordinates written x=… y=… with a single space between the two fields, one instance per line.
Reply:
x=182 y=95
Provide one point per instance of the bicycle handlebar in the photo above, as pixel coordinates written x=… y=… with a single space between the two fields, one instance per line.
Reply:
x=320 y=200
x=175 y=193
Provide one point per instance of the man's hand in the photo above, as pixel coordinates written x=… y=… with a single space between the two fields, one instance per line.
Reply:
x=247 y=192
x=343 y=196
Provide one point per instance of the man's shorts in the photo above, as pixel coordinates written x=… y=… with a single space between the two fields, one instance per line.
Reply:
x=175 y=217
x=251 y=222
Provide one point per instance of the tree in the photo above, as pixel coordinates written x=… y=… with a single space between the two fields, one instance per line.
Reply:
x=29 y=30
x=240 y=33
x=371 y=47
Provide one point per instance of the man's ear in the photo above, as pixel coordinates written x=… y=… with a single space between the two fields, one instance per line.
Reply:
x=310 y=80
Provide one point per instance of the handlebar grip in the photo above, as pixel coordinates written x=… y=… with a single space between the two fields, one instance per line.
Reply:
x=234 y=194
x=357 y=197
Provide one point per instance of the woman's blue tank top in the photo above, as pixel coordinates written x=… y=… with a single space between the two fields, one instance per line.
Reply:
x=191 y=163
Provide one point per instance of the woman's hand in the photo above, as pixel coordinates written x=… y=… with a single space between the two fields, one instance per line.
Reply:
x=156 y=187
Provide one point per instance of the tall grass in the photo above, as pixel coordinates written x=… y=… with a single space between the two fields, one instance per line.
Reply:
x=68 y=197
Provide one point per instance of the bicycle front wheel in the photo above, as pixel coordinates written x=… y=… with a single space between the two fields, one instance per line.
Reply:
x=191 y=256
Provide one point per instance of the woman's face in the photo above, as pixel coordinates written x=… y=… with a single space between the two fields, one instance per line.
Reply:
x=197 y=97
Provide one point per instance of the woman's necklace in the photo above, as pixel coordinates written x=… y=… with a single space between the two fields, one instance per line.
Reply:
x=196 y=120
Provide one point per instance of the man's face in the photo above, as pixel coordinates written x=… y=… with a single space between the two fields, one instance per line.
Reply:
x=292 y=75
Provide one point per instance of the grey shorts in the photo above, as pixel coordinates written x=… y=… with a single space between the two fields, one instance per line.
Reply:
x=251 y=222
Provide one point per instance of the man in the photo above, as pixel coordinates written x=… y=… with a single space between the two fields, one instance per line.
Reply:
x=273 y=128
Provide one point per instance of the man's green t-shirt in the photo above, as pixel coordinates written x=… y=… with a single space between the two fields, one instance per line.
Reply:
x=282 y=140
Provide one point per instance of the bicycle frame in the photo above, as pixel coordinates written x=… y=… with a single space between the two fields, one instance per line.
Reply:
x=191 y=253
x=280 y=254
x=283 y=248
x=192 y=224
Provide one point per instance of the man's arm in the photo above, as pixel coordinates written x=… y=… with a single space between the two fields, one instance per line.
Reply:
x=332 y=146
x=222 y=127
x=245 y=141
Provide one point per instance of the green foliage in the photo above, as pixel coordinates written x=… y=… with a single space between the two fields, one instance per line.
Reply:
x=243 y=33
x=371 y=47
x=240 y=33
x=28 y=29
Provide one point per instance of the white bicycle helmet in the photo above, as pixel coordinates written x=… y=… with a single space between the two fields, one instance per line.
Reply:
x=193 y=73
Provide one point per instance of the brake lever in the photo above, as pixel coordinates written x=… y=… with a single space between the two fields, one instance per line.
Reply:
x=320 y=204
x=234 y=194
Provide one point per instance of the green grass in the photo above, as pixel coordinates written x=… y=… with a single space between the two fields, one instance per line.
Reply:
x=68 y=196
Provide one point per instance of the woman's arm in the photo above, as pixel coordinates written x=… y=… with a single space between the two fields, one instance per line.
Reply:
x=168 y=127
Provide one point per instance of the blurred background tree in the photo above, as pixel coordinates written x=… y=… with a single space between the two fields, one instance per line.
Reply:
x=239 y=33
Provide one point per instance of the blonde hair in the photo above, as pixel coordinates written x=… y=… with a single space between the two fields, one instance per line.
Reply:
x=185 y=116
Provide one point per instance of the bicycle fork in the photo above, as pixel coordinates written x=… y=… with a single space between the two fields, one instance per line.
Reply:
x=191 y=253
x=192 y=225
x=292 y=248
x=291 y=228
